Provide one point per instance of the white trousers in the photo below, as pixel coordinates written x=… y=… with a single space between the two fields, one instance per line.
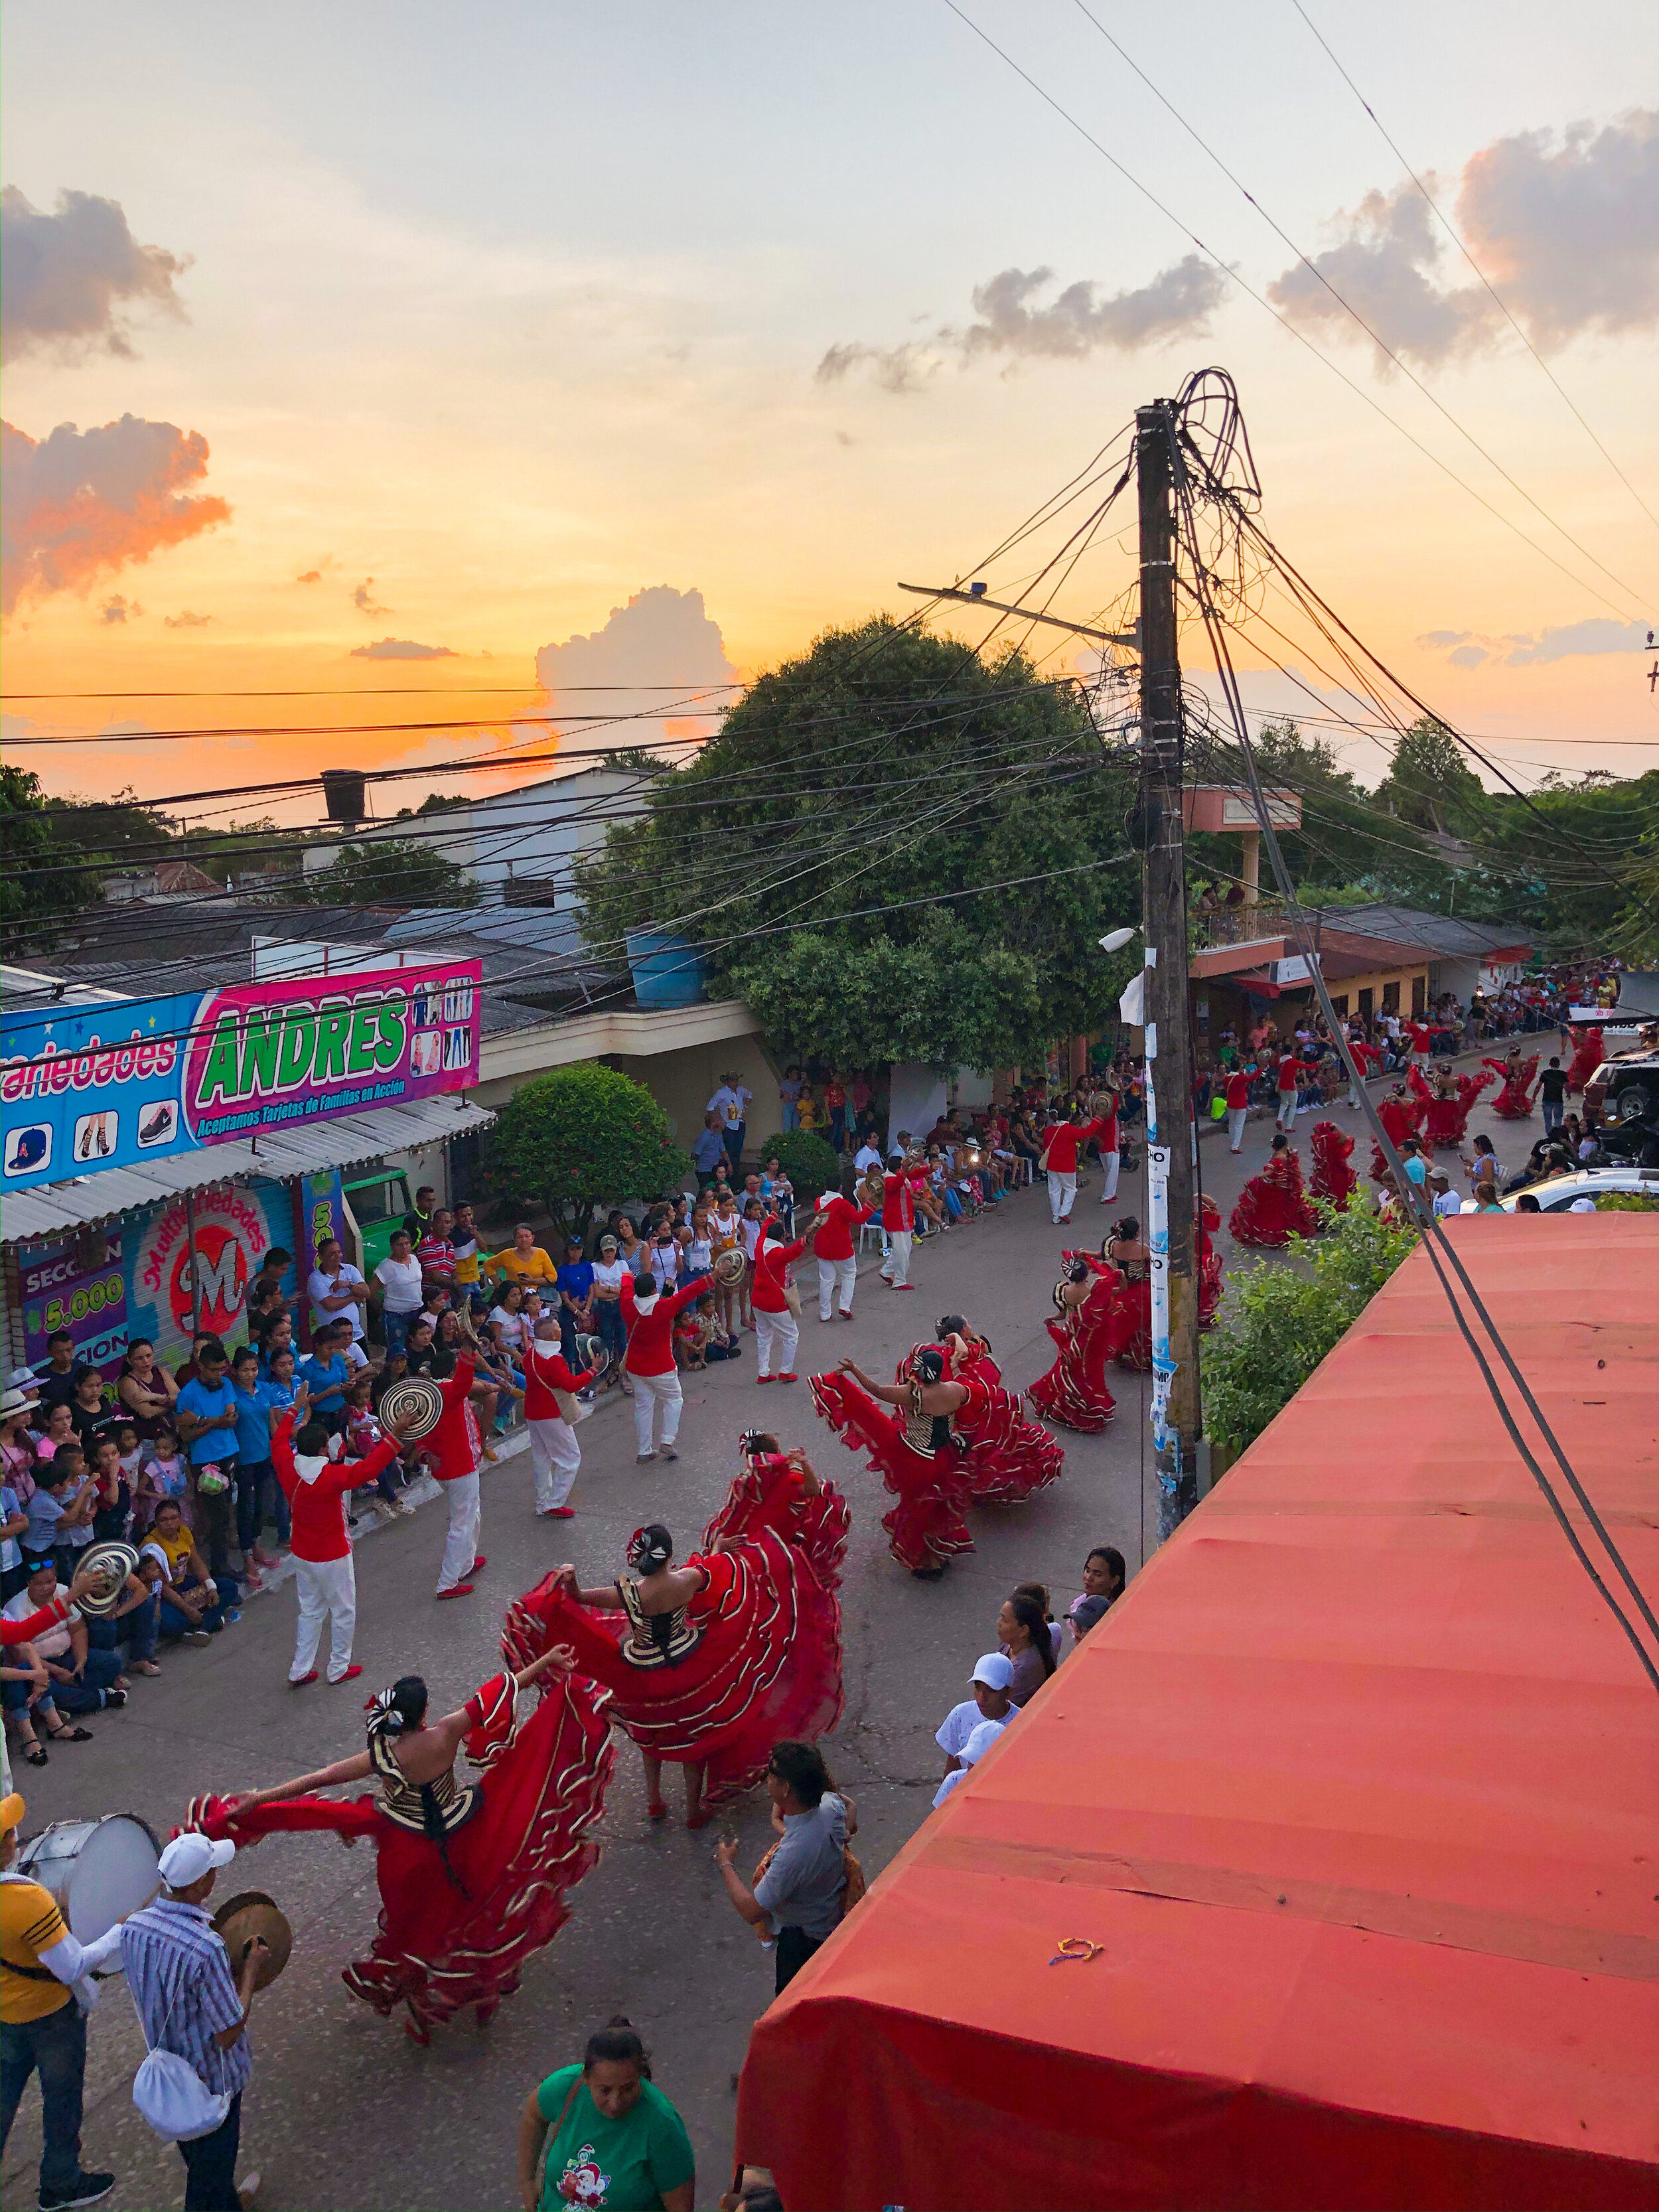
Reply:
x=896 y=1267
x=327 y=1589
x=461 y=1545
x=1355 y=1096
x=1236 y=1117
x=1062 y=1196
x=651 y=1391
x=554 y=1458
x=780 y=1330
x=1287 y=1110
x=836 y=1280
x=1109 y=1161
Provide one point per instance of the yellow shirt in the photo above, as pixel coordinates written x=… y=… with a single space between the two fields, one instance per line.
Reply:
x=30 y=1922
x=177 y=1549
x=531 y=1267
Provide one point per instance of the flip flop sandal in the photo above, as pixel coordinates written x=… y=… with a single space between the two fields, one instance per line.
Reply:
x=71 y=1735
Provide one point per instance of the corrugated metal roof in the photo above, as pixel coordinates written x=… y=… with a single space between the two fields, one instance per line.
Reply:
x=55 y=1208
x=1449 y=935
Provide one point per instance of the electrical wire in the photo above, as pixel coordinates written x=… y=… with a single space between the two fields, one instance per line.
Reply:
x=1266 y=305
x=1442 y=1256
x=1455 y=236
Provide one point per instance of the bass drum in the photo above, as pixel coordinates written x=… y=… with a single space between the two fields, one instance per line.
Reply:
x=98 y=1870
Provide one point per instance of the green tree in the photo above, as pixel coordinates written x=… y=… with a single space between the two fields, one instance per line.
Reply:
x=1285 y=1319
x=388 y=872
x=34 y=897
x=1429 y=784
x=886 y=768
x=581 y=1138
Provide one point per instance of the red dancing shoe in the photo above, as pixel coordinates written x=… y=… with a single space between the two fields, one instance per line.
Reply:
x=791 y=1378
x=478 y=1564
x=349 y=1675
x=556 y=1513
x=299 y=1682
x=763 y=1378
x=656 y=1810
x=460 y=1589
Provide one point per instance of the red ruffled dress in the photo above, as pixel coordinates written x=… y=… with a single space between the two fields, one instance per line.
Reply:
x=1514 y=1101
x=1591 y=1052
x=1333 y=1178
x=1272 y=1206
x=459 y=1921
x=1212 y=1275
x=1004 y=1457
x=1402 y=1118
x=755 y=1656
x=1073 y=1391
x=927 y=1527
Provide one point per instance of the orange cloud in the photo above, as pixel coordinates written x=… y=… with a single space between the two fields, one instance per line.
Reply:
x=80 y=503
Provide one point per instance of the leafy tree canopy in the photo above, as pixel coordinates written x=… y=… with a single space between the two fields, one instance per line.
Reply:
x=1284 y=1320
x=582 y=1139
x=1429 y=784
x=388 y=872
x=886 y=766
x=32 y=903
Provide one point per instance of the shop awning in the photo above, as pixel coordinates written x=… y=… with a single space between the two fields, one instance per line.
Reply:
x=1257 y=980
x=56 y=1209
x=1354 y=1791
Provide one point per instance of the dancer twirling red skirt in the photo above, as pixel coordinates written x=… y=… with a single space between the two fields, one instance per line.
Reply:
x=711 y=1662
x=1333 y=1178
x=473 y=1878
x=1073 y=1391
x=1272 y=1206
x=1514 y=1101
x=917 y=1457
x=1005 y=1457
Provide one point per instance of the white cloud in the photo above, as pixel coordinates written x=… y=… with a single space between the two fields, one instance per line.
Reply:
x=81 y=502
x=652 y=653
x=1014 y=322
x=62 y=276
x=401 y=648
x=1567 y=231
x=1599 y=634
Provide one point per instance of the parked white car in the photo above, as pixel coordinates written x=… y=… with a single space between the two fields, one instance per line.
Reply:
x=1557 y=1195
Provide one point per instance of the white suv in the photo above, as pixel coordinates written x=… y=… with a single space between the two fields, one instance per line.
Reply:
x=1557 y=1195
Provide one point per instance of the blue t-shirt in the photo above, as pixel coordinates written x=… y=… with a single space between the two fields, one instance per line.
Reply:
x=253 y=1422
x=707 y=1149
x=1417 y=1169
x=322 y=1375
x=279 y=1396
x=45 y=1514
x=10 y=1507
x=577 y=1279
x=212 y=1443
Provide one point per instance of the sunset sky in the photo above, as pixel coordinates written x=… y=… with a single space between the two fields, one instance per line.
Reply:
x=477 y=324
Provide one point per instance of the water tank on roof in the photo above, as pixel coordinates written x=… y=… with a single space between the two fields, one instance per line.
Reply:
x=666 y=971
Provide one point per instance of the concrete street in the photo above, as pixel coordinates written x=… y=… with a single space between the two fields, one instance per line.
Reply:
x=344 y=2112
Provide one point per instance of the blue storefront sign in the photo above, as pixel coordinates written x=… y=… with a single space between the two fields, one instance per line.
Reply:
x=84 y=1088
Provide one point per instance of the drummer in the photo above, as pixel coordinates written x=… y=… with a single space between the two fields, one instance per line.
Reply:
x=42 y=1968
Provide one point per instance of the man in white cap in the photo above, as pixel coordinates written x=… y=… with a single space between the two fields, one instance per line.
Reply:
x=191 y=2003
x=45 y=1994
x=1583 y=1205
x=970 y=1756
x=832 y=1248
x=989 y=1684
x=551 y=1410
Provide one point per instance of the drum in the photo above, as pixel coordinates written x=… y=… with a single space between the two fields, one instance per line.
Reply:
x=252 y=1913
x=98 y=1870
x=114 y=1562
x=413 y=1399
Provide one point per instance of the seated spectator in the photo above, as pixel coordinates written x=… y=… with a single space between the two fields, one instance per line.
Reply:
x=79 y=1679
x=195 y=1604
x=135 y=1623
x=1103 y=1573
x=1038 y=1594
x=970 y=1756
x=989 y=1701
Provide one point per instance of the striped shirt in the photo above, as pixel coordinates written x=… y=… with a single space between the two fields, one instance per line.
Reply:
x=179 y=1971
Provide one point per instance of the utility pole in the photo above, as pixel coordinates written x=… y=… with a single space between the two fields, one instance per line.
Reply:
x=1171 y=1136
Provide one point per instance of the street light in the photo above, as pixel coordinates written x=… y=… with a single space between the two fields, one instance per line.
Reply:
x=1115 y=939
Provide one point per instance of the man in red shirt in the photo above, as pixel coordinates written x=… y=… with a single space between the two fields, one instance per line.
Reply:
x=455 y=1453
x=316 y=1488
x=898 y=1222
x=1290 y=1073
x=838 y=1270
x=775 y=1320
x=648 y=1317
x=1368 y=1060
x=1237 y=1094
x=551 y=1410
x=1061 y=1144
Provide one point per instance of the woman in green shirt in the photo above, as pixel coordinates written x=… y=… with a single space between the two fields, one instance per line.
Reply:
x=614 y=2142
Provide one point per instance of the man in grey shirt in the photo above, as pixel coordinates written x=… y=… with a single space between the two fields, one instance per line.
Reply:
x=800 y=1893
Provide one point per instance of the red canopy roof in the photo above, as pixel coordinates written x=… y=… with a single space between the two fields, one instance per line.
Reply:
x=1356 y=1788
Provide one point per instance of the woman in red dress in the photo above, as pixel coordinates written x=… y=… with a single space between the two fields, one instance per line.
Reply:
x=906 y=1430
x=1131 y=1332
x=1446 y=1107
x=711 y=1662
x=1590 y=1053
x=1333 y=1178
x=1073 y=1391
x=1402 y=1115
x=1272 y=1206
x=473 y=1877
x=1005 y=1457
x=1514 y=1101
x=1212 y=1276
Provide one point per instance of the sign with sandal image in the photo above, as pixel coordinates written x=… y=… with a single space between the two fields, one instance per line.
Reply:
x=130 y=1079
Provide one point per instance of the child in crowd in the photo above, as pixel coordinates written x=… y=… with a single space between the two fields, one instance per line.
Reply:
x=754 y=1223
x=113 y=1509
x=59 y=1430
x=779 y=1193
x=161 y=1473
